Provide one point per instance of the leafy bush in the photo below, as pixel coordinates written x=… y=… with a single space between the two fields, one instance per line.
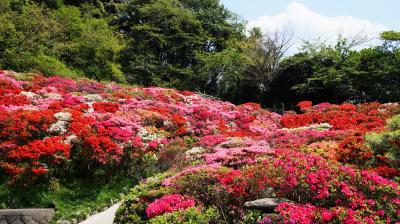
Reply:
x=133 y=210
x=61 y=41
x=386 y=146
x=189 y=216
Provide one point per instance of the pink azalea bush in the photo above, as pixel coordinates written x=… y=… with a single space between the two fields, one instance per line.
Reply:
x=168 y=204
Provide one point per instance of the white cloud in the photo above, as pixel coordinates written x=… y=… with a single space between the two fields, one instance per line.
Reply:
x=308 y=24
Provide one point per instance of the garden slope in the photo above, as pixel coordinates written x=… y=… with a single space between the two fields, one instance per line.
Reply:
x=218 y=155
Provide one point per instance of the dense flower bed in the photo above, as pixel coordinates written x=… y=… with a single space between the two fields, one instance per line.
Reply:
x=338 y=163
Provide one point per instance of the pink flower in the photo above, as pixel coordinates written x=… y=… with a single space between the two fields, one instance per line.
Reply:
x=345 y=189
x=168 y=204
x=153 y=145
x=327 y=215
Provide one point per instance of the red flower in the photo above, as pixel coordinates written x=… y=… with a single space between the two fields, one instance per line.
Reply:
x=304 y=105
x=104 y=107
x=39 y=171
x=102 y=149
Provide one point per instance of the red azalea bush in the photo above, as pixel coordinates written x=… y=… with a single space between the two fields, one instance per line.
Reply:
x=105 y=107
x=364 y=117
x=22 y=126
x=35 y=157
x=352 y=149
x=304 y=105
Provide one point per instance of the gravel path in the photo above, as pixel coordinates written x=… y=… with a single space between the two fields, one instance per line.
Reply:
x=106 y=217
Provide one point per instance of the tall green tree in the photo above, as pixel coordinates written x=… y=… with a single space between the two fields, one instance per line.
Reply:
x=167 y=35
x=333 y=67
x=379 y=69
x=224 y=73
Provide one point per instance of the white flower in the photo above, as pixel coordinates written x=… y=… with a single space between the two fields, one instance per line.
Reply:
x=29 y=94
x=59 y=127
x=71 y=139
x=195 y=153
x=63 y=116
x=168 y=123
x=90 y=109
x=54 y=96
x=93 y=98
x=316 y=127
x=146 y=136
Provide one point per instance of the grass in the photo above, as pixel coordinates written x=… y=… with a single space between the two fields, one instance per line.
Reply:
x=74 y=199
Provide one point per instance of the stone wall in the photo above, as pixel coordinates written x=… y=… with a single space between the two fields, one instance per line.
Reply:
x=26 y=216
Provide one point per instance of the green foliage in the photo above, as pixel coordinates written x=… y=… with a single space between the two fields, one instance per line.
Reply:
x=390 y=36
x=378 y=74
x=64 y=40
x=252 y=216
x=189 y=216
x=333 y=65
x=387 y=143
x=167 y=35
x=337 y=73
x=224 y=72
x=90 y=45
x=73 y=198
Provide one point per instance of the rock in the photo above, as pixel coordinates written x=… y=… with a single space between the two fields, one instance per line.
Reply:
x=63 y=221
x=26 y=216
x=265 y=204
x=74 y=221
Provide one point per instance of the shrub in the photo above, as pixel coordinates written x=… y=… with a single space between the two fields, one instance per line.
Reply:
x=189 y=216
x=386 y=146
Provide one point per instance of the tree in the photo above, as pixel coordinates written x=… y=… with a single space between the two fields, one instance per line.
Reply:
x=335 y=73
x=58 y=41
x=266 y=55
x=89 y=44
x=223 y=73
x=379 y=69
x=332 y=69
x=391 y=40
x=294 y=70
x=168 y=35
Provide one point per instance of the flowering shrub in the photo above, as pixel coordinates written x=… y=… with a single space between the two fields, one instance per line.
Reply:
x=362 y=118
x=304 y=105
x=104 y=107
x=168 y=204
x=191 y=215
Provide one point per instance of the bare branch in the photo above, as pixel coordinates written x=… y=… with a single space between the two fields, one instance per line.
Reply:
x=268 y=53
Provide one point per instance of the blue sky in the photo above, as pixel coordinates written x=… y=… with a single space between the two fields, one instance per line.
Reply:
x=382 y=11
x=310 y=19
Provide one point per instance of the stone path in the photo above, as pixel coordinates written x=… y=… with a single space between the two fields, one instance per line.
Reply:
x=106 y=217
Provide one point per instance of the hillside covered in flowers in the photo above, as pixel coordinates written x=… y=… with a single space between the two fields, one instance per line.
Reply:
x=334 y=163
